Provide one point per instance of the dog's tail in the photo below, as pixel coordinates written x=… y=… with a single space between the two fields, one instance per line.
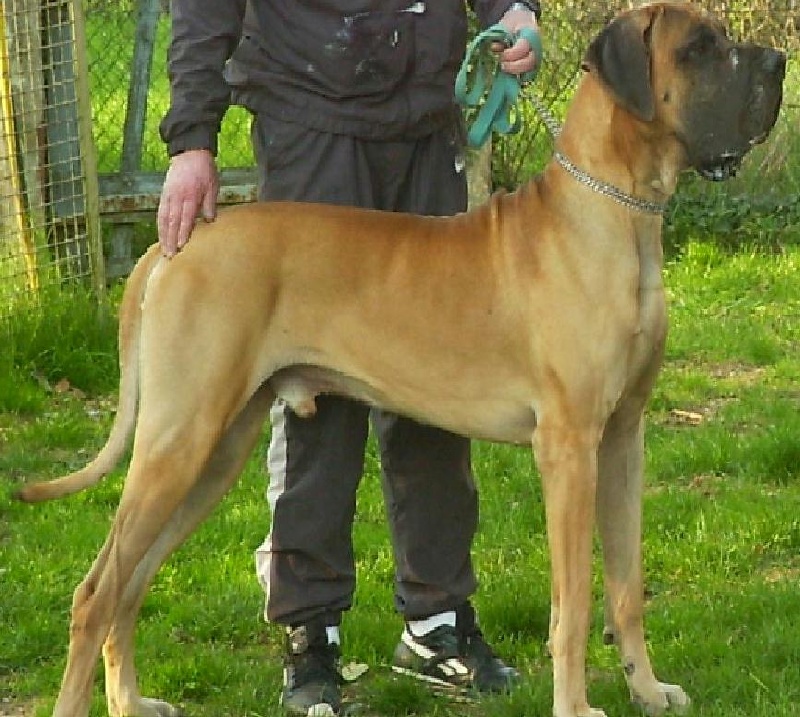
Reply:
x=129 y=338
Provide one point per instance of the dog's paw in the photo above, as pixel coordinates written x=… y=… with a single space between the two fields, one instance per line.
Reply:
x=665 y=697
x=585 y=712
x=679 y=701
x=147 y=707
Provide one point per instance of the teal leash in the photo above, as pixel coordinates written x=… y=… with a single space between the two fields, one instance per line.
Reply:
x=479 y=70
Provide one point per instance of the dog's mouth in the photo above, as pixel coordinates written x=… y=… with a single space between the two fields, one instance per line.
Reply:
x=723 y=167
x=727 y=164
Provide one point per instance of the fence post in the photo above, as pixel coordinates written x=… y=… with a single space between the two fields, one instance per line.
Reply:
x=120 y=258
x=86 y=141
x=14 y=207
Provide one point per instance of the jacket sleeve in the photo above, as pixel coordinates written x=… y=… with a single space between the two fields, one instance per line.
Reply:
x=490 y=11
x=204 y=35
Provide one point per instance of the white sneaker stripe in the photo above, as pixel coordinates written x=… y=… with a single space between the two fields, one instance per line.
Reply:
x=417 y=648
x=458 y=667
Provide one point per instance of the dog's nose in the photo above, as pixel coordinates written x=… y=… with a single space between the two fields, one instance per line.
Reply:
x=774 y=62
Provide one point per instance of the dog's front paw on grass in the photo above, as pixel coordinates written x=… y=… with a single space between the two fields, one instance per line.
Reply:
x=148 y=707
x=665 y=697
x=577 y=711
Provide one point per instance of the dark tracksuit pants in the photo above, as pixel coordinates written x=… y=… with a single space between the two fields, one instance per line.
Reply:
x=306 y=564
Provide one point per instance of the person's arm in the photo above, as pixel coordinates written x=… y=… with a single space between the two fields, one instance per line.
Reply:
x=204 y=35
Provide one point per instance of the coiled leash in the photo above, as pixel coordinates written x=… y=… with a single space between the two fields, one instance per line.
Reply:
x=482 y=69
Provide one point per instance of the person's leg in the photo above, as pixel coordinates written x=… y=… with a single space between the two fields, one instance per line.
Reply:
x=431 y=498
x=431 y=501
x=306 y=564
x=430 y=495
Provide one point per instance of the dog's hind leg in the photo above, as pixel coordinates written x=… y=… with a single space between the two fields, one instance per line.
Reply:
x=567 y=458
x=224 y=466
x=166 y=476
x=619 y=510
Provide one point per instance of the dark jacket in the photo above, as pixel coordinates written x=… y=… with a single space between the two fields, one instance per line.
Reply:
x=367 y=68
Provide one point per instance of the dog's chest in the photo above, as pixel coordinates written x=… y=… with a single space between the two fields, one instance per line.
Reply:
x=650 y=328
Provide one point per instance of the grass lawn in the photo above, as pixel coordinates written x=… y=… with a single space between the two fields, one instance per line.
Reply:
x=722 y=537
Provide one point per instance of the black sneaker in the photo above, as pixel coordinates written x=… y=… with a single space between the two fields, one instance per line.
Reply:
x=432 y=658
x=489 y=672
x=311 y=676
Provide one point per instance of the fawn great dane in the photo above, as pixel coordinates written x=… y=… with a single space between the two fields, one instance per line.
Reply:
x=539 y=318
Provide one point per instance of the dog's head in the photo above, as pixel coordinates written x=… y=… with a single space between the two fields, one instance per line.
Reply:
x=675 y=65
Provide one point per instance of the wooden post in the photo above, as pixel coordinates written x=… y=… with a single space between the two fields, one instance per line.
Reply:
x=15 y=217
x=88 y=156
x=120 y=259
x=25 y=54
x=479 y=173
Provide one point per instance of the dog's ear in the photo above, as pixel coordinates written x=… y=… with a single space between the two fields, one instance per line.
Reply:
x=620 y=55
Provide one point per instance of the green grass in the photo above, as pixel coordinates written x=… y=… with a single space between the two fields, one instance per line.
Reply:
x=60 y=335
x=722 y=529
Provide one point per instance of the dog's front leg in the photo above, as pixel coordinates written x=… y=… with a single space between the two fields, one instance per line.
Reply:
x=619 y=511
x=567 y=460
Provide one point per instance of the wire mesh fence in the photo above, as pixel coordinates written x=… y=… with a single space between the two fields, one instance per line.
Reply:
x=111 y=27
x=73 y=68
x=48 y=234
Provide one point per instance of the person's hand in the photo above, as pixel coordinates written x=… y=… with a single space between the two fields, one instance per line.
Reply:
x=190 y=188
x=519 y=58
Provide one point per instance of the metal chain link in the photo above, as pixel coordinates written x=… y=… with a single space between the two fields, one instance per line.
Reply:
x=608 y=190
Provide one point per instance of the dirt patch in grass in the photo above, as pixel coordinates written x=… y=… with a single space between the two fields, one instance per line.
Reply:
x=782 y=574
x=12 y=708
x=744 y=374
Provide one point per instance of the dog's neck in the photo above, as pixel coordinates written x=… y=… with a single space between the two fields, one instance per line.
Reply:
x=604 y=141
x=612 y=145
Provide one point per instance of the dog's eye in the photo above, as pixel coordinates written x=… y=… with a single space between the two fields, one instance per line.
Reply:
x=702 y=43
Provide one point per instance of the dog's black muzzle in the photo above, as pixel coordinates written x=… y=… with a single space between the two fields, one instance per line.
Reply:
x=739 y=113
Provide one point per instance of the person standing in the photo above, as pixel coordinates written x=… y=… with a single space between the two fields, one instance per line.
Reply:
x=352 y=104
